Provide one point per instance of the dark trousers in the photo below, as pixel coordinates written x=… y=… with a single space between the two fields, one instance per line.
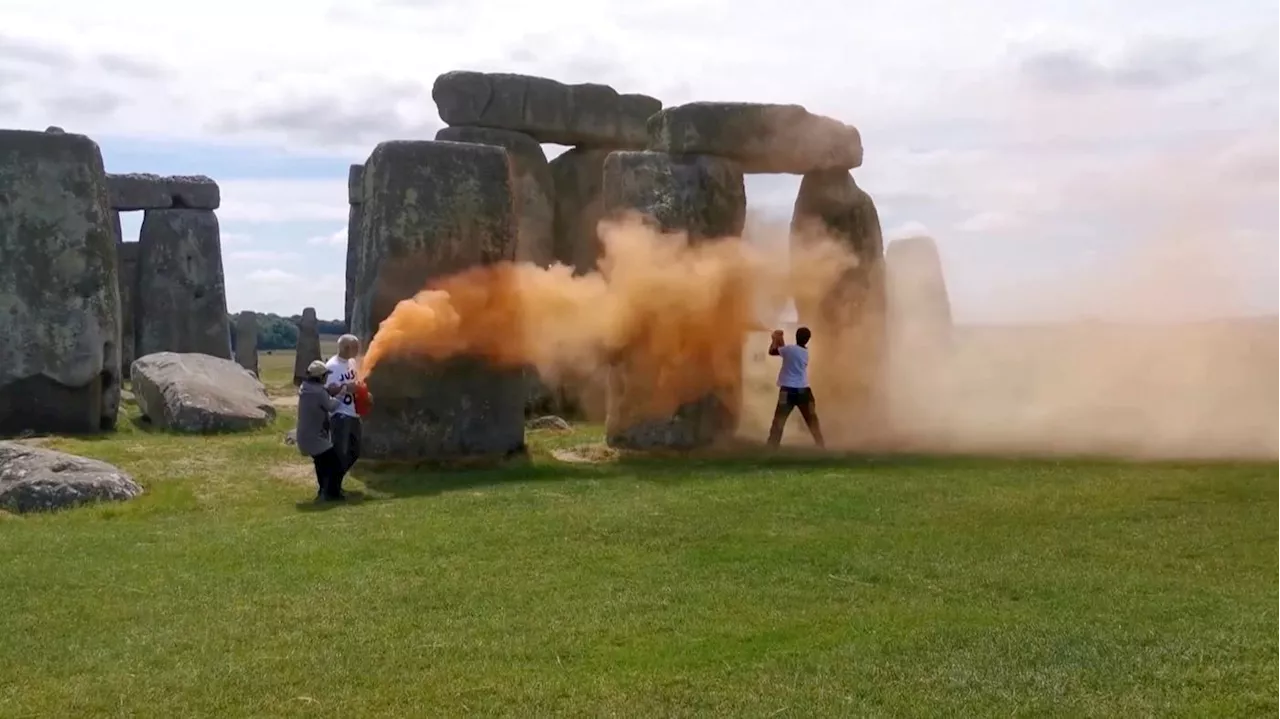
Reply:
x=329 y=473
x=790 y=398
x=345 y=432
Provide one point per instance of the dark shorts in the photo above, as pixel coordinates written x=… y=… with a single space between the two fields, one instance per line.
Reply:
x=795 y=396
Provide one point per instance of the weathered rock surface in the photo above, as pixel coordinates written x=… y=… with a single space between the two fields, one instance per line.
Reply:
x=849 y=363
x=127 y=256
x=578 y=178
x=247 y=341
x=588 y=114
x=431 y=209
x=549 y=422
x=145 y=191
x=763 y=138
x=831 y=205
x=189 y=392
x=698 y=194
x=59 y=296
x=308 y=348
x=534 y=187
x=34 y=479
x=705 y=197
x=181 y=304
x=355 y=215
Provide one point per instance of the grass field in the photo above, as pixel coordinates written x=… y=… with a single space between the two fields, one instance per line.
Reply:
x=786 y=586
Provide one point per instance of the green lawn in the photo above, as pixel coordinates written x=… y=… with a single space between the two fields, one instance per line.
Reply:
x=786 y=586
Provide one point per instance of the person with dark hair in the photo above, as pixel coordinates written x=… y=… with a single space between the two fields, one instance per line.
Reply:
x=793 y=386
x=315 y=404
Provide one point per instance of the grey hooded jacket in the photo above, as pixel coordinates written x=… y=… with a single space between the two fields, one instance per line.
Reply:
x=314 y=407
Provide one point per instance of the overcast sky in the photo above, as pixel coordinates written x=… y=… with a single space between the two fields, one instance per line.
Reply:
x=1041 y=143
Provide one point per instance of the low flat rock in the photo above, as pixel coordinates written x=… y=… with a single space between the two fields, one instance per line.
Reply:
x=549 y=422
x=199 y=393
x=34 y=479
x=145 y=191
x=588 y=114
x=763 y=138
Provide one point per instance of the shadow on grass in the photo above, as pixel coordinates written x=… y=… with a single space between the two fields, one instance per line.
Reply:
x=400 y=481
x=351 y=499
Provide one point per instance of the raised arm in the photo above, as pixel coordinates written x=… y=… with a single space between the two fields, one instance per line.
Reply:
x=776 y=342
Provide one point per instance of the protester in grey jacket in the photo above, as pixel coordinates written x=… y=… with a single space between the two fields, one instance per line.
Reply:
x=315 y=404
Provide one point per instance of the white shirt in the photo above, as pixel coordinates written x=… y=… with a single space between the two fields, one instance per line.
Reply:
x=340 y=372
x=795 y=367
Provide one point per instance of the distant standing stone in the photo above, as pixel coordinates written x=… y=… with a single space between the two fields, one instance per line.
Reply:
x=578 y=178
x=247 y=341
x=127 y=254
x=308 y=349
x=34 y=479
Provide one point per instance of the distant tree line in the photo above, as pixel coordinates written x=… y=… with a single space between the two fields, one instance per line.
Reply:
x=281 y=333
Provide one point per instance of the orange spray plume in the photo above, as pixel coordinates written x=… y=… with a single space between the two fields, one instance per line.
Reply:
x=676 y=310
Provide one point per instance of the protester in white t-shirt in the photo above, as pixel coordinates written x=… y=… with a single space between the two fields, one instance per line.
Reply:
x=345 y=425
x=793 y=386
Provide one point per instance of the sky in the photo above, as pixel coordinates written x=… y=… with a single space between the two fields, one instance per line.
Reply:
x=1040 y=143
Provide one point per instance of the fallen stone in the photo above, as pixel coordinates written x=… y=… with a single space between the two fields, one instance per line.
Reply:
x=145 y=191
x=189 y=392
x=59 y=302
x=34 y=479
x=589 y=115
x=763 y=138
x=432 y=209
x=705 y=198
x=127 y=255
x=578 y=178
x=533 y=187
x=308 y=347
x=181 y=301
x=246 y=351
x=549 y=422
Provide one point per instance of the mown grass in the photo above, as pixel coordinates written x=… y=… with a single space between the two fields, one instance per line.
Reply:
x=789 y=585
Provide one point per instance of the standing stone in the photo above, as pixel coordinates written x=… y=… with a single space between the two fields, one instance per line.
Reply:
x=578 y=177
x=246 y=341
x=535 y=221
x=59 y=295
x=308 y=348
x=432 y=209
x=534 y=187
x=181 y=305
x=355 y=211
x=705 y=197
x=919 y=308
x=127 y=254
x=849 y=353
x=589 y=114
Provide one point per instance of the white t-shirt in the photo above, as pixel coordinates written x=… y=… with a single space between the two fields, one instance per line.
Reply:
x=340 y=372
x=795 y=367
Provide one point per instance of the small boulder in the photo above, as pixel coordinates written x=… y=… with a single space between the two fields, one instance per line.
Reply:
x=34 y=479
x=549 y=422
x=199 y=393
x=291 y=437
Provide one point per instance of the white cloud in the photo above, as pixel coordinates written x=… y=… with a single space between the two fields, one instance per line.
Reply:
x=286 y=292
x=283 y=200
x=1052 y=130
x=335 y=239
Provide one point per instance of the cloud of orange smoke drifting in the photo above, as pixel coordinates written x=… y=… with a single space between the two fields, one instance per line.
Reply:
x=681 y=308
